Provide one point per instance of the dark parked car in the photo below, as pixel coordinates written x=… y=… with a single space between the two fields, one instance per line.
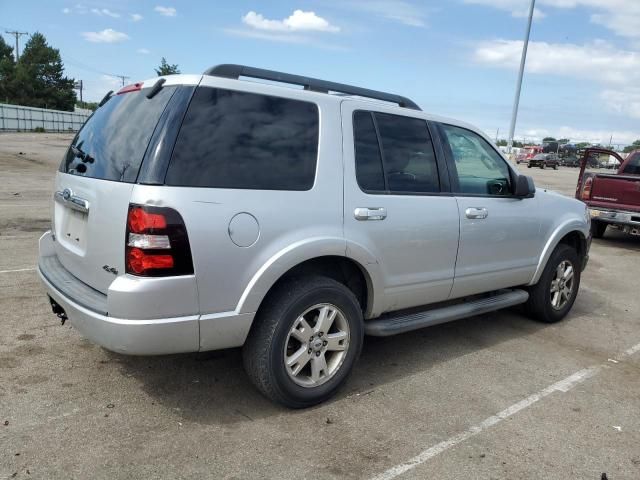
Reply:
x=543 y=160
x=570 y=162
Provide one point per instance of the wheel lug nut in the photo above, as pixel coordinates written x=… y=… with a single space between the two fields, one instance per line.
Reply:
x=310 y=351
x=324 y=343
x=317 y=354
x=320 y=334
x=311 y=339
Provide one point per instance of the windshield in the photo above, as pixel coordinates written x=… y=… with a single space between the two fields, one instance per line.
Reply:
x=111 y=144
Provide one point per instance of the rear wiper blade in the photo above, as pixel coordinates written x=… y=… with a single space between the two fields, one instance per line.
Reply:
x=105 y=98
x=81 y=155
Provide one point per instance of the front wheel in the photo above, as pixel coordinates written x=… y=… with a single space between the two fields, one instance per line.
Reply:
x=553 y=296
x=305 y=341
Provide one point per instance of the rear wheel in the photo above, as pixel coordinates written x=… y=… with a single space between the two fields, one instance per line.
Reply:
x=598 y=228
x=555 y=167
x=305 y=341
x=553 y=296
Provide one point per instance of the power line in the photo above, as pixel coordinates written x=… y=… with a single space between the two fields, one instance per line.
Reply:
x=83 y=66
x=16 y=34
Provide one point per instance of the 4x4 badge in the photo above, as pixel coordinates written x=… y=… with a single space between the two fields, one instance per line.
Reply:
x=109 y=269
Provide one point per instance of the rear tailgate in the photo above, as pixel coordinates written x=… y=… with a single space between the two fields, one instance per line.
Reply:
x=616 y=191
x=94 y=185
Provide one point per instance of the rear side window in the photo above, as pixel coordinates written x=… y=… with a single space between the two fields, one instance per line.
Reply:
x=394 y=154
x=232 y=139
x=111 y=144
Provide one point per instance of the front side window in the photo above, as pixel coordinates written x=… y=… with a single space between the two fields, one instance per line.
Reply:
x=232 y=139
x=394 y=153
x=480 y=169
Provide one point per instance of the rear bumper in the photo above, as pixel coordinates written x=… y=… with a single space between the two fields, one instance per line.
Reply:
x=133 y=337
x=92 y=313
x=619 y=217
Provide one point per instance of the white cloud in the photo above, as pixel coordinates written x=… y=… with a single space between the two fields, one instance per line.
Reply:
x=297 y=22
x=283 y=37
x=105 y=12
x=136 y=17
x=66 y=11
x=577 y=135
x=618 y=71
x=598 y=61
x=398 y=10
x=107 y=35
x=622 y=17
x=166 y=11
x=143 y=51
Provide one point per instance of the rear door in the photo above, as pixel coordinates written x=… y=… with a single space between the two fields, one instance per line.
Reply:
x=396 y=203
x=499 y=234
x=94 y=184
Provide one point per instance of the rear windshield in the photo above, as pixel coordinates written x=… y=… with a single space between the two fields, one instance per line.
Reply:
x=633 y=167
x=232 y=139
x=111 y=145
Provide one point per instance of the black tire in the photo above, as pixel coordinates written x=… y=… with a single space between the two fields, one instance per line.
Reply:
x=528 y=166
x=264 y=350
x=542 y=166
x=555 y=167
x=539 y=305
x=598 y=228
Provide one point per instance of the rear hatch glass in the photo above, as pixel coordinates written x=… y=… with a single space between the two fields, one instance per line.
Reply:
x=111 y=145
x=98 y=172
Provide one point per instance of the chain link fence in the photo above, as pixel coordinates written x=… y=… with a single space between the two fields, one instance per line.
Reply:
x=16 y=118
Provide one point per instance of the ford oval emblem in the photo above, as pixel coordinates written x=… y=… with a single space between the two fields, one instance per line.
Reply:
x=67 y=194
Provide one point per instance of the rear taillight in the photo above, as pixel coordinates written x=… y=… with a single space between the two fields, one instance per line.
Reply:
x=586 y=189
x=157 y=244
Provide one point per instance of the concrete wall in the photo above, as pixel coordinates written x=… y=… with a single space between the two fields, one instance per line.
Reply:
x=18 y=118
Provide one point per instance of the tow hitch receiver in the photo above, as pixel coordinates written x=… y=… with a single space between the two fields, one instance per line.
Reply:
x=58 y=310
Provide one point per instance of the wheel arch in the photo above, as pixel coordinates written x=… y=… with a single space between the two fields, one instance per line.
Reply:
x=570 y=233
x=353 y=267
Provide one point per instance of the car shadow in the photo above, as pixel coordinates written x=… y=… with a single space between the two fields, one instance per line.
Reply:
x=212 y=388
x=615 y=238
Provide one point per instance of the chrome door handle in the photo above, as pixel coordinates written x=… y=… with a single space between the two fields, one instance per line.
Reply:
x=378 y=213
x=66 y=197
x=476 y=212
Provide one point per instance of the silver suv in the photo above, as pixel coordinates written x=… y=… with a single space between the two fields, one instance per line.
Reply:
x=201 y=212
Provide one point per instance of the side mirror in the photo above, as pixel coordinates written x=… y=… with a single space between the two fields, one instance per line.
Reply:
x=525 y=188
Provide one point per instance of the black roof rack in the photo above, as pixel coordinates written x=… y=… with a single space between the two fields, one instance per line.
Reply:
x=236 y=71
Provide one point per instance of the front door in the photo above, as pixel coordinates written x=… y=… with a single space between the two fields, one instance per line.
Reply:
x=395 y=206
x=499 y=233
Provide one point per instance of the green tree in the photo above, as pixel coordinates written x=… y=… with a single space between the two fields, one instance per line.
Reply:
x=88 y=105
x=7 y=71
x=501 y=143
x=563 y=140
x=582 y=145
x=548 y=139
x=40 y=80
x=166 y=68
x=634 y=146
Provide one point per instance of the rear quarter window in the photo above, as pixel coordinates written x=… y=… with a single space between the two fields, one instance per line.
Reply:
x=232 y=139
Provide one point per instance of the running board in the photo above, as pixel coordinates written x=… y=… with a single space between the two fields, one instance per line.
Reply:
x=393 y=325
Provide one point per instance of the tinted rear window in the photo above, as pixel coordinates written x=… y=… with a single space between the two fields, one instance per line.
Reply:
x=111 y=145
x=232 y=139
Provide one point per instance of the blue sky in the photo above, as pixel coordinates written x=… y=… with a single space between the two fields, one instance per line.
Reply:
x=457 y=58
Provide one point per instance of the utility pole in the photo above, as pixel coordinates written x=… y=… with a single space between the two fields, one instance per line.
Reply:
x=497 y=133
x=123 y=78
x=523 y=59
x=16 y=34
x=79 y=86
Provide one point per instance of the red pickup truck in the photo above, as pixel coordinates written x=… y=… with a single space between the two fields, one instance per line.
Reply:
x=613 y=198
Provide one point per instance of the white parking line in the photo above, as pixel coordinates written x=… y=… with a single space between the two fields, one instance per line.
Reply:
x=563 y=385
x=18 y=270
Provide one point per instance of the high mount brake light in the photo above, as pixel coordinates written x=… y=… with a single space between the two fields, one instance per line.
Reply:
x=134 y=87
x=157 y=244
